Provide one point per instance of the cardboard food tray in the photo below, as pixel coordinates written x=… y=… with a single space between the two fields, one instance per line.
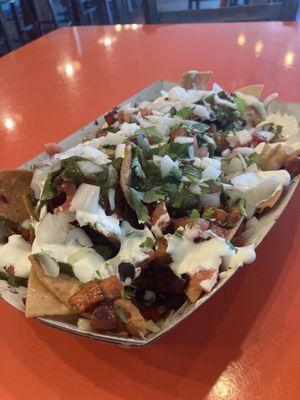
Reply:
x=266 y=221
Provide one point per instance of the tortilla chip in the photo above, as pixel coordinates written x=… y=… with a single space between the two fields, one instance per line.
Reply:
x=125 y=175
x=270 y=202
x=273 y=157
x=251 y=90
x=63 y=286
x=14 y=184
x=40 y=301
x=195 y=80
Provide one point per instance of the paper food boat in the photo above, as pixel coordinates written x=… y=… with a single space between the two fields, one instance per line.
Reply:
x=266 y=222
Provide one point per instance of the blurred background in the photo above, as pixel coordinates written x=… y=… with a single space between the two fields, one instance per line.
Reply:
x=22 y=21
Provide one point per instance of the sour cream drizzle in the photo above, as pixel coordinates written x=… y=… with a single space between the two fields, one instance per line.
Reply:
x=189 y=257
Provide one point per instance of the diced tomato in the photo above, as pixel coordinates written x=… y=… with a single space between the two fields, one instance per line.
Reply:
x=256 y=139
x=111 y=117
x=145 y=111
x=177 y=133
x=199 y=151
x=53 y=148
x=68 y=187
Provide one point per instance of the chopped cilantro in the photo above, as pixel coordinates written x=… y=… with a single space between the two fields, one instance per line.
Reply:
x=179 y=232
x=140 y=209
x=194 y=214
x=241 y=105
x=184 y=112
x=208 y=213
x=66 y=268
x=122 y=315
x=137 y=168
x=99 y=275
x=147 y=243
x=153 y=133
x=153 y=195
x=241 y=203
x=254 y=158
x=13 y=280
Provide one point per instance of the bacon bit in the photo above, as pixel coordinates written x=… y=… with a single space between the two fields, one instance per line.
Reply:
x=158 y=225
x=177 y=133
x=111 y=117
x=256 y=139
x=293 y=166
x=160 y=253
x=145 y=111
x=3 y=198
x=53 y=148
x=199 y=151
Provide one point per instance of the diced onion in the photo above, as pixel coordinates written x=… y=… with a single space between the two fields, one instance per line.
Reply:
x=89 y=168
x=210 y=199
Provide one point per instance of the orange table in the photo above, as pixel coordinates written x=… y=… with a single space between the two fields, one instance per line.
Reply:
x=245 y=342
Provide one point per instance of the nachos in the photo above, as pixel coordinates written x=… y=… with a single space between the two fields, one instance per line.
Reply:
x=150 y=213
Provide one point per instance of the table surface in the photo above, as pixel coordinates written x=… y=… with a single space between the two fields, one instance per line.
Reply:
x=245 y=342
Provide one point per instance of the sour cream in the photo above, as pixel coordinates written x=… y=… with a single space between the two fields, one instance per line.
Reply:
x=189 y=257
x=15 y=253
x=88 y=211
x=130 y=249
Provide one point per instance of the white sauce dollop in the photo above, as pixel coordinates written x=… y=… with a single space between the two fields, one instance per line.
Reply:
x=15 y=253
x=88 y=211
x=189 y=257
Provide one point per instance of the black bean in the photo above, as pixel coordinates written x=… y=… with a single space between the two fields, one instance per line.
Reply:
x=126 y=270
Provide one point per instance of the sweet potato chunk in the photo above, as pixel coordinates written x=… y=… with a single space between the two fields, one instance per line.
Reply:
x=105 y=318
x=94 y=292
x=111 y=288
x=88 y=295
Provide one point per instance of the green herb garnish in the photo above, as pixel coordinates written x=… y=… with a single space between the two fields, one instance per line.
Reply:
x=147 y=243
x=122 y=315
x=194 y=214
